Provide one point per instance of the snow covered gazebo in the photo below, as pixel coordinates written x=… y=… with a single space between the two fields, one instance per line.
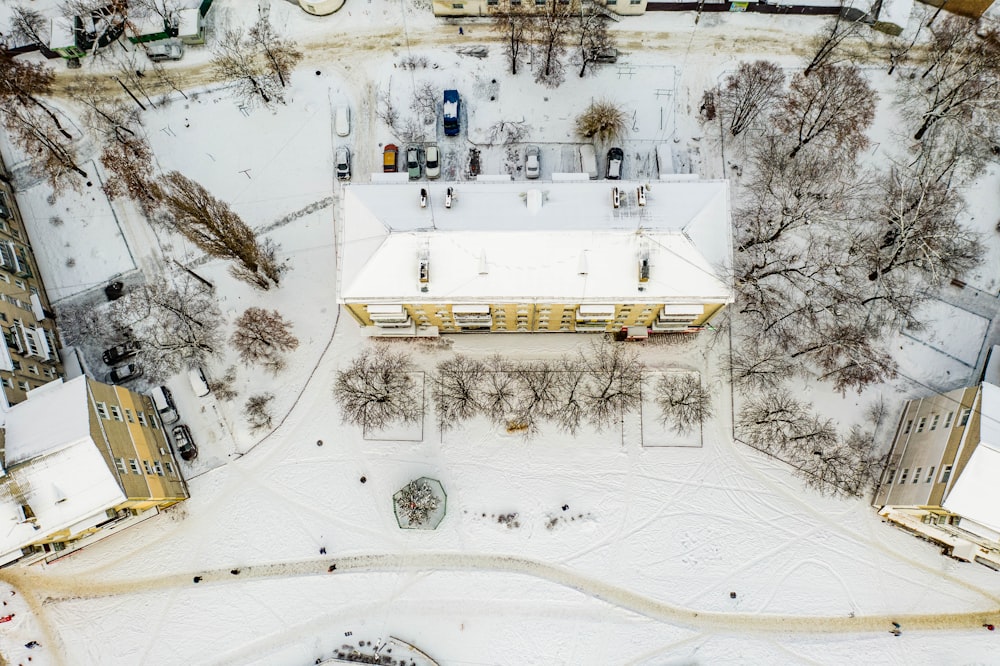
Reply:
x=420 y=505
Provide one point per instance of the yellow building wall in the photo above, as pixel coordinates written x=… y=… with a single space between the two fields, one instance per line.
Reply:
x=512 y=317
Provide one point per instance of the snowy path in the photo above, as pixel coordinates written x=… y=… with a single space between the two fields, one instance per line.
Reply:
x=56 y=588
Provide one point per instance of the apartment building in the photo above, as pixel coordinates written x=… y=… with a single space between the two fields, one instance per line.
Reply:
x=510 y=257
x=104 y=463
x=941 y=478
x=29 y=356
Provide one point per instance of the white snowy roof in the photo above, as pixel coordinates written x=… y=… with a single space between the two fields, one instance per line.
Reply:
x=976 y=493
x=54 y=416
x=509 y=241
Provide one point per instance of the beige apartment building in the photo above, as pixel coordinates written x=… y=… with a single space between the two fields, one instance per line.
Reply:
x=29 y=356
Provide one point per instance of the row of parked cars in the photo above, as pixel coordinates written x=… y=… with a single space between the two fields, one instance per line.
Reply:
x=419 y=160
x=162 y=399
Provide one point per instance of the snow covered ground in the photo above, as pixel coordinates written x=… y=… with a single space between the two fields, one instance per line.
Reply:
x=622 y=550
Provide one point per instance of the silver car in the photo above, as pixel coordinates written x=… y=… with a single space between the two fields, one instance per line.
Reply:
x=532 y=168
x=343 y=163
x=432 y=161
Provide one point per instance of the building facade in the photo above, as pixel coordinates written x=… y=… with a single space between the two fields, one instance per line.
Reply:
x=29 y=356
x=941 y=478
x=555 y=257
x=105 y=462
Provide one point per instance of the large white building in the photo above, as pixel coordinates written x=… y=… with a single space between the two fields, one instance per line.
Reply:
x=539 y=256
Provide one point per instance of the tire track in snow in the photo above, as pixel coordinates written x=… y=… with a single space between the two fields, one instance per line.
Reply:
x=57 y=588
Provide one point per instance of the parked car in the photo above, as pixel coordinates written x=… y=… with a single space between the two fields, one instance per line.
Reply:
x=413 y=162
x=532 y=168
x=167 y=49
x=164 y=403
x=432 y=161
x=184 y=443
x=389 y=155
x=615 y=157
x=342 y=120
x=343 y=163
x=119 y=353
x=198 y=382
x=124 y=373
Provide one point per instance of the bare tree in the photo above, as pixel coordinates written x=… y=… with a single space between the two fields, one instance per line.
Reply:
x=511 y=22
x=211 y=225
x=281 y=55
x=177 y=324
x=378 y=389
x=236 y=60
x=592 y=37
x=167 y=10
x=571 y=410
x=55 y=158
x=102 y=21
x=748 y=94
x=758 y=366
x=847 y=466
x=962 y=82
x=684 y=403
x=612 y=382
x=456 y=391
x=550 y=27
x=834 y=107
x=507 y=132
x=537 y=394
x=258 y=411
x=425 y=100
x=224 y=387
x=603 y=120
x=28 y=26
x=831 y=39
x=917 y=228
x=499 y=391
x=776 y=423
x=262 y=336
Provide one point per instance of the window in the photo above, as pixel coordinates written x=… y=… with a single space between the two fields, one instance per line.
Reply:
x=158 y=467
x=948 y=418
x=457 y=5
x=921 y=423
x=930 y=475
x=147 y=467
x=946 y=474
x=120 y=466
x=902 y=475
x=128 y=415
x=20 y=284
x=116 y=412
x=916 y=475
x=169 y=467
x=8 y=382
x=909 y=425
x=102 y=409
x=964 y=418
x=934 y=421
x=33 y=369
x=142 y=418
x=5 y=278
x=24 y=386
x=134 y=465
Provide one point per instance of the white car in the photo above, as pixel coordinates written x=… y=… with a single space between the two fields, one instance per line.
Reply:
x=432 y=161
x=342 y=120
x=531 y=166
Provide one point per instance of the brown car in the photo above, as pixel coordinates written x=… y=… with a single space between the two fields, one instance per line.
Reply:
x=390 y=158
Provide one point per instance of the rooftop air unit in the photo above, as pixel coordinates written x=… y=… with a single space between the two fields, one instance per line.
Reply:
x=423 y=197
x=616 y=198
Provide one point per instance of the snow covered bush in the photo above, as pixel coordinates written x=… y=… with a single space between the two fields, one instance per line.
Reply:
x=602 y=120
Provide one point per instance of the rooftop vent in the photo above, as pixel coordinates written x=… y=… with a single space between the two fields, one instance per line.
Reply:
x=484 y=267
x=423 y=198
x=644 y=268
x=641 y=196
x=448 y=197
x=424 y=267
x=534 y=199
x=582 y=268
x=616 y=198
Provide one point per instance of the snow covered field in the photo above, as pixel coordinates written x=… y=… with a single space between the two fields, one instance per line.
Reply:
x=622 y=551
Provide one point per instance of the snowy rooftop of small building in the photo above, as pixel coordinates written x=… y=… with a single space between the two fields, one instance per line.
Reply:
x=539 y=240
x=976 y=494
x=53 y=466
x=54 y=416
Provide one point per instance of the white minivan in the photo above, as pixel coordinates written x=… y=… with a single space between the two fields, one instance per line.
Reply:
x=198 y=382
x=342 y=120
x=164 y=403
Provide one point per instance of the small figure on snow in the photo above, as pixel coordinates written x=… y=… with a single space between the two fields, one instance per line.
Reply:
x=31 y=645
x=235 y=572
x=460 y=30
x=322 y=550
x=333 y=567
x=197 y=579
x=989 y=627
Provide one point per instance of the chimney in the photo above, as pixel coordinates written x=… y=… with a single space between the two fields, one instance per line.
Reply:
x=641 y=195
x=424 y=267
x=423 y=198
x=448 y=197
x=616 y=198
